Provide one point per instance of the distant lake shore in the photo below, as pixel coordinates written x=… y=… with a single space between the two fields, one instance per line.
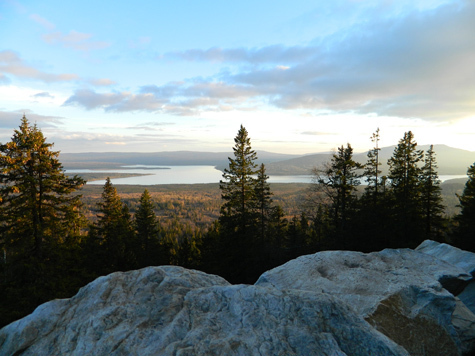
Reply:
x=151 y=175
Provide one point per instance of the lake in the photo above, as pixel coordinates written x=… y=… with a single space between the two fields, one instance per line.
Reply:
x=188 y=175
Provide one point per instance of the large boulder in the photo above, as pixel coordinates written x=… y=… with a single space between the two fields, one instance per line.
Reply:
x=174 y=311
x=407 y=295
x=457 y=257
x=463 y=317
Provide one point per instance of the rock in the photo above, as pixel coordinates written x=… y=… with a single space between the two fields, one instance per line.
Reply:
x=174 y=311
x=457 y=257
x=400 y=292
x=464 y=322
x=463 y=318
x=453 y=255
x=468 y=296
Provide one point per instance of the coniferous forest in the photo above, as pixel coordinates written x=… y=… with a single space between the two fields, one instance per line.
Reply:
x=54 y=240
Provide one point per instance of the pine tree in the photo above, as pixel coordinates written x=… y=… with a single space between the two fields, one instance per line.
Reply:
x=238 y=216
x=113 y=233
x=37 y=204
x=338 y=181
x=40 y=223
x=145 y=221
x=150 y=249
x=431 y=198
x=238 y=189
x=373 y=214
x=263 y=201
x=404 y=174
x=372 y=170
x=465 y=232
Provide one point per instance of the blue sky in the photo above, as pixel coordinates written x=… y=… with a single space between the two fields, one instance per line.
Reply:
x=301 y=76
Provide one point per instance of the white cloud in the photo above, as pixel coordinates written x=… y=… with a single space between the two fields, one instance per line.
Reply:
x=43 y=95
x=12 y=119
x=391 y=62
x=76 y=40
x=42 y=21
x=12 y=64
x=102 y=82
x=411 y=64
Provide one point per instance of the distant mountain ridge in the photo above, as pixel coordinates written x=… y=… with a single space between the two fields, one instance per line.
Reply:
x=97 y=160
x=451 y=161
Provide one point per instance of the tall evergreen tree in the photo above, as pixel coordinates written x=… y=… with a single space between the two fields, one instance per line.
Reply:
x=150 y=248
x=113 y=233
x=37 y=204
x=238 y=189
x=338 y=180
x=404 y=174
x=263 y=201
x=431 y=198
x=269 y=239
x=238 y=217
x=373 y=213
x=146 y=221
x=40 y=222
x=465 y=233
x=372 y=170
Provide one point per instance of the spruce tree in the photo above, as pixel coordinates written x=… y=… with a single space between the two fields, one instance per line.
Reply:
x=238 y=189
x=146 y=222
x=465 y=232
x=40 y=223
x=372 y=170
x=338 y=181
x=37 y=204
x=431 y=198
x=238 y=217
x=404 y=175
x=263 y=201
x=150 y=248
x=373 y=212
x=113 y=233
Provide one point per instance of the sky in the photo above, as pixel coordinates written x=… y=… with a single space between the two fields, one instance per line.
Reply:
x=301 y=76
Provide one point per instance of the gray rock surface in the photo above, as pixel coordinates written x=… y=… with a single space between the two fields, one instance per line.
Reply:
x=463 y=321
x=468 y=296
x=453 y=255
x=456 y=257
x=402 y=293
x=174 y=311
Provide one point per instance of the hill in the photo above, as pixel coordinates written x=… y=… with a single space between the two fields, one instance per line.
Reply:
x=451 y=161
x=97 y=160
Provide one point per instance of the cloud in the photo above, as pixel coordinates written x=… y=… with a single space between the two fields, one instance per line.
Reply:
x=102 y=82
x=76 y=40
x=140 y=42
x=4 y=79
x=12 y=64
x=152 y=126
x=43 y=95
x=173 y=98
x=410 y=64
x=316 y=133
x=12 y=119
x=123 y=101
x=42 y=21
x=268 y=54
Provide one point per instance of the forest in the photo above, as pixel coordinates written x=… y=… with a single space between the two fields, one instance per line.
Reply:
x=57 y=233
